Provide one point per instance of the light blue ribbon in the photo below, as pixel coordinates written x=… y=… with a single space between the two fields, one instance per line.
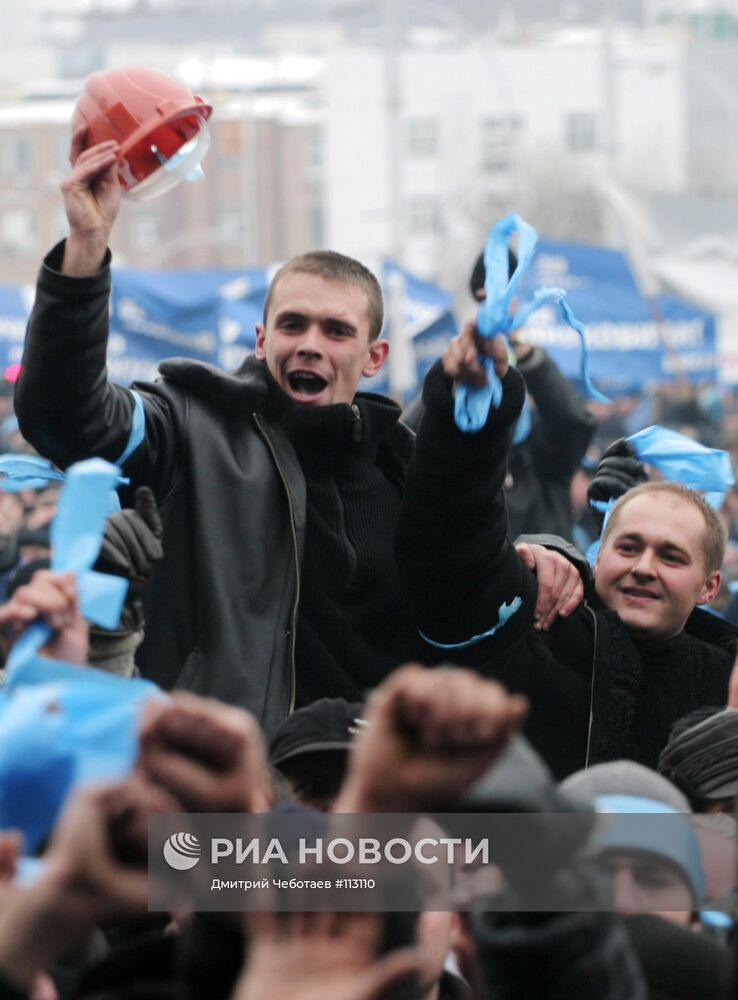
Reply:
x=523 y=425
x=61 y=724
x=604 y=507
x=679 y=459
x=76 y=537
x=138 y=428
x=472 y=404
x=683 y=460
x=504 y=614
x=26 y=472
x=22 y=472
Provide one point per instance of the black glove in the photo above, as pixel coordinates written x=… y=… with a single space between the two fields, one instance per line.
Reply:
x=619 y=469
x=132 y=540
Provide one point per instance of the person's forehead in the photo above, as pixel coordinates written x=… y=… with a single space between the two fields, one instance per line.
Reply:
x=313 y=294
x=662 y=518
x=633 y=858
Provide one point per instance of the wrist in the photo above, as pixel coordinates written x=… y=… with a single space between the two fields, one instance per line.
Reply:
x=36 y=927
x=523 y=351
x=357 y=796
x=84 y=254
x=521 y=345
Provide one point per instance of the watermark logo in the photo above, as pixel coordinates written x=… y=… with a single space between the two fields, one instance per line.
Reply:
x=182 y=851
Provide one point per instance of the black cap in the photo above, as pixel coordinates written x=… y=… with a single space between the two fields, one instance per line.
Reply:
x=479 y=272
x=327 y=724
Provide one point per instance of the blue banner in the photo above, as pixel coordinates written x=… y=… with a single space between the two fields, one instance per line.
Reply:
x=427 y=325
x=631 y=342
x=14 y=311
x=208 y=315
x=211 y=315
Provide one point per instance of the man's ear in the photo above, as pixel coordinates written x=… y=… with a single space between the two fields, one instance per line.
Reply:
x=260 y=350
x=711 y=587
x=378 y=351
x=596 y=563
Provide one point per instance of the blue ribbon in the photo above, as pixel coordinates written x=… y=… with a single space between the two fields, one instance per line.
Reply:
x=605 y=507
x=138 y=428
x=30 y=472
x=61 y=724
x=683 y=460
x=504 y=614
x=64 y=726
x=26 y=472
x=76 y=537
x=679 y=459
x=471 y=404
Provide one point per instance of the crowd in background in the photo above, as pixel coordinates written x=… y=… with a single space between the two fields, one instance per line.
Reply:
x=277 y=549
x=82 y=928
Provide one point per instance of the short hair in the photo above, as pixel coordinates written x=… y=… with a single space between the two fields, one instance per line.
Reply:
x=335 y=267
x=714 y=538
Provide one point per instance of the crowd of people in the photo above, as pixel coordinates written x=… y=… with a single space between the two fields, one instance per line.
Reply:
x=355 y=611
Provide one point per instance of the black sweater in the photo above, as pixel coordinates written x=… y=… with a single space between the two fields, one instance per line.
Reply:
x=595 y=693
x=354 y=626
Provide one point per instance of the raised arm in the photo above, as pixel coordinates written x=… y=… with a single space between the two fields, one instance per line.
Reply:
x=457 y=564
x=66 y=407
x=564 y=425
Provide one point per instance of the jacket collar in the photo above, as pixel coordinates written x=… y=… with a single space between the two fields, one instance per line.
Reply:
x=245 y=388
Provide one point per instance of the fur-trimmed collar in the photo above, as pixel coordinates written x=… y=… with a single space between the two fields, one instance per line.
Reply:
x=245 y=387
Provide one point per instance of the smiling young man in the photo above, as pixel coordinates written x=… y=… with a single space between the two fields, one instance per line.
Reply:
x=660 y=556
x=607 y=682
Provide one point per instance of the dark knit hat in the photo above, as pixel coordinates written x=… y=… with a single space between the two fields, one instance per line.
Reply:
x=479 y=272
x=703 y=759
x=327 y=724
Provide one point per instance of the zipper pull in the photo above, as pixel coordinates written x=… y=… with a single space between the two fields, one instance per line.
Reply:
x=356 y=432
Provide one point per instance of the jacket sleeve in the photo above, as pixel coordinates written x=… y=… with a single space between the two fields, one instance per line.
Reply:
x=558 y=544
x=455 y=560
x=66 y=407
x=563 y=424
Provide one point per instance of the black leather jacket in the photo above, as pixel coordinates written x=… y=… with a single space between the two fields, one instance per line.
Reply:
x=222 y=606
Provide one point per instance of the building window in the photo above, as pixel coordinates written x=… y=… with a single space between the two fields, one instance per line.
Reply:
x=422 y=138
x=497 y=137
x=424 y=216
x=230 y=227
x=18 y=235
x=61 y=154
x=16 y=157
x=316 y=149
x=145 y=232
x=59 y=225
x=317 y=229
x=230 y=142
x=581 y=131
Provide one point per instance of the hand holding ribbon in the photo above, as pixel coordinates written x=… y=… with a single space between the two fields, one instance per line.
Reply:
x=473 y=400
x=76 y=536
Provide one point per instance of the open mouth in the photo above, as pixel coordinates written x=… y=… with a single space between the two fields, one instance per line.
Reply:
x=305 y=383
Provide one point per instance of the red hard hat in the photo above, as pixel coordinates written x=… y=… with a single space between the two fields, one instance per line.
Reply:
x=160 y=124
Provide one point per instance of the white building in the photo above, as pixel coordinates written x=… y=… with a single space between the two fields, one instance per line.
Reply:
x=492 y=127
